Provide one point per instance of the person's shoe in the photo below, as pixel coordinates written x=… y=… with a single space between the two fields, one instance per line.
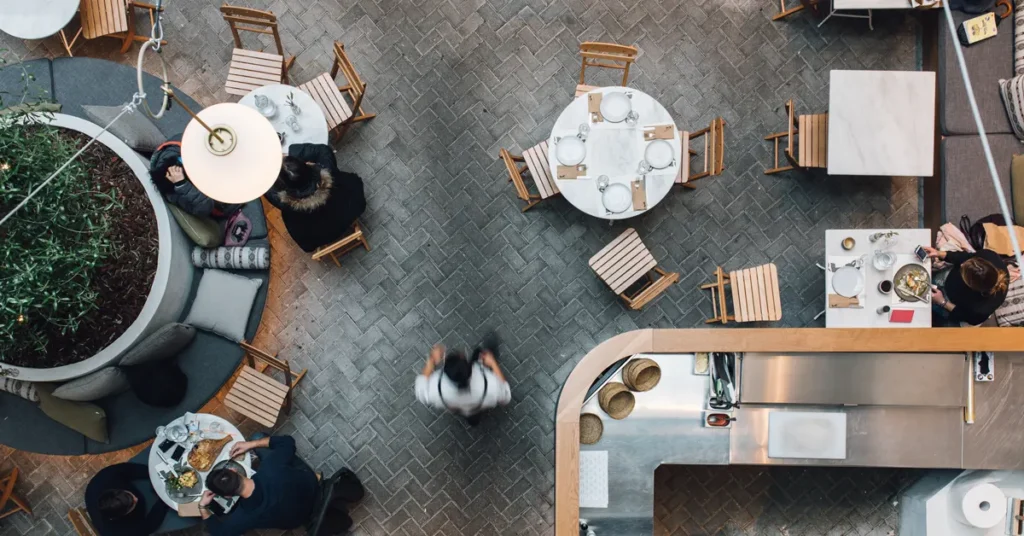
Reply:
x=347 y=487
x=491 y=341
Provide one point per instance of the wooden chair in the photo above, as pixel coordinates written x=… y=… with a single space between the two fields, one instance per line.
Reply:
x=346 y=244
x=258 y=396
x=785 y=12
x=755 y=295
x=8 y=496
x=608 y=56
x=328 y=95
x=111 y=18
x=535 y=162
x=624 y=262
x=81 y=522
x=714 y=152
x=250 y=69
x=812 y=131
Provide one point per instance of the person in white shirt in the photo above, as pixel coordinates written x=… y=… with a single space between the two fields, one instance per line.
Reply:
x=467 y=387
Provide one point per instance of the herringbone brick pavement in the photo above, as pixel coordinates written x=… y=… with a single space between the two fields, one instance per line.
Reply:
x=452 y=81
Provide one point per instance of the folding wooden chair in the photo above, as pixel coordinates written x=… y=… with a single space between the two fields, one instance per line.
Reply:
x=81 y=522
x=8 y=496
x=755 y=295
x=346 y=244
x=257 y=395
x=250 y=69
x=714 y=152
x=606 y=55
x=110 y=18
x=328 y=95
x=785 y=12
x=812 y=133
x=623 y=263
x=535 y=162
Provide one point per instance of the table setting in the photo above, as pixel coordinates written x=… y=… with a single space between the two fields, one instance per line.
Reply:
x=185 y=451
x=296 y=117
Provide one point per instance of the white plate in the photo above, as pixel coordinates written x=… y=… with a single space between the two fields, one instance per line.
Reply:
x=659 y=154
x=848 y=282
x=615 y=106
x=570 y=151
x=617 y=198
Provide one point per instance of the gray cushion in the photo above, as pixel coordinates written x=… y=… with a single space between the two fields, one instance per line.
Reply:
x=254 y=211
x=223 y=303
x=203 y=232
x=28 y=81
x=988 y=62
x=94 y=386
x=966 y=186
x=163 y=343
x=135 y=129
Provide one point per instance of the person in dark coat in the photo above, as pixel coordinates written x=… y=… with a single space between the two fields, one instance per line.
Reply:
x=168 y=174
x=318 y=202
x=116 y=507
x=976 y=286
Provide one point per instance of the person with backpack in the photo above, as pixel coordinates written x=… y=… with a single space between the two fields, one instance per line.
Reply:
x=975 y=287
x=466 y=387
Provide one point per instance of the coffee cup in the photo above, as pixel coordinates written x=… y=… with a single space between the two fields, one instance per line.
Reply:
x=885 y=286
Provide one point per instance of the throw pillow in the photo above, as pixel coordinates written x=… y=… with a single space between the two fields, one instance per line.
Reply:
x=134 y=129
x=26 y=390
x=1017 y=186
x=204 y=232
x=223 y=302
x=158 y=383
x=1018 y=39
x=100 y=384
x=1012 y=91
x=87 y=419
x=1011 y=312
x=232 y=258
x=161 y=344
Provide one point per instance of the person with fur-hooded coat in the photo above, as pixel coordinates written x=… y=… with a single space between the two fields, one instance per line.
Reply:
x=318 y=202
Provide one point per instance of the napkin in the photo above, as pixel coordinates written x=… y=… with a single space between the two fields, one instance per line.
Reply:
x=639 y=188
x=659 y=132
x=190 y=509
x=594 y=107
x=572 y=172
x=836 y=301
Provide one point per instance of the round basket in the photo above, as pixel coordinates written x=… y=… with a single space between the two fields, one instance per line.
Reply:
x=641 y=374
x=591 y=428
x=616 y=400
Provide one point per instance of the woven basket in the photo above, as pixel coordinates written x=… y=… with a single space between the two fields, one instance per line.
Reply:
x=591 y=428
x=616 y=400
x=641 y=374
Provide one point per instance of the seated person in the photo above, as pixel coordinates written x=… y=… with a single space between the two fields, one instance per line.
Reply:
x=281 y=495
x=975 y=287
x=168 y=175
x=116 y=506
x=318 y=202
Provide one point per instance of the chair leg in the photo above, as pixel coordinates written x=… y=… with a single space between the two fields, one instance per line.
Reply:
x=531 y=204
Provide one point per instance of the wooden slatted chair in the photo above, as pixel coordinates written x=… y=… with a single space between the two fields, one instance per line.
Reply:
x=81 y=522
x=346 y=244
x=810 y=132
x=257 y=395
x=111 y=18
x=8 y=496
x=605 y=55
x=330 y=96
x=535 y=162
x=787 y=11
x=714 y=152
x=755 y=295
x=624 y=262
x=251 y=69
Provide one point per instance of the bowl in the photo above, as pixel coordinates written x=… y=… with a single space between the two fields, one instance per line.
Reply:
x=849 y=243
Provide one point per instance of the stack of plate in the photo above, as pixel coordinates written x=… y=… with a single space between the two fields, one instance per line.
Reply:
x=615 y=106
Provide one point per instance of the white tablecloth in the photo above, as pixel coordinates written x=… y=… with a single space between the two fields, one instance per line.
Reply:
x=312 y=123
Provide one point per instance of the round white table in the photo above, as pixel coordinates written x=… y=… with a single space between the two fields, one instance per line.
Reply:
x=311 y=120
x=615 y=150
x=35 y=19
x=157 y=463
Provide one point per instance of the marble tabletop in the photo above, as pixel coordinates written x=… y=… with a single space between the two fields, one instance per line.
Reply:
x=881 y=123
x=312 y=125
x=35 y=19
x=615 y=150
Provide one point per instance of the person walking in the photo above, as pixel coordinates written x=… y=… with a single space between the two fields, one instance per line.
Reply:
x=975 y=287
x=466 y=387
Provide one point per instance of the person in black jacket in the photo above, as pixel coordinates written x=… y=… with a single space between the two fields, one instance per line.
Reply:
x=975 y=288
x=168 y=174
x=116 y=506
x=318 y=202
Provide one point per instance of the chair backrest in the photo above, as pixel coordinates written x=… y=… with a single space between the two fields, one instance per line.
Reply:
x=716 y=146
x=355 y=87
x=251 y=20
x=103 y=17
x=81 y=522
x=790 y=128
x=515 y=175
x=252 y=353
x=607 y=55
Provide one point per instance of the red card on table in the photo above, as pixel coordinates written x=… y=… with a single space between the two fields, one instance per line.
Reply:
x=901 y=316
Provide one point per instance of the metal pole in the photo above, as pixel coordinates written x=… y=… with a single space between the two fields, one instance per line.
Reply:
x=170 y=92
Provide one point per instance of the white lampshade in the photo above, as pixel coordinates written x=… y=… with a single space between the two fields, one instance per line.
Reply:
x=242 y=168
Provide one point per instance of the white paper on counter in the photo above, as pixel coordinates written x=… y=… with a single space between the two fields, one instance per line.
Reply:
x=807 y=434
x=594 y=479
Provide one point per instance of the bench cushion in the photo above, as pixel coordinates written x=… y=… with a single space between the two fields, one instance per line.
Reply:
x=15 y=84
x=987 y=62
x=966 y=186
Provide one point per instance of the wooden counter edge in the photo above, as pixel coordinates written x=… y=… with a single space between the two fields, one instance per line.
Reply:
x=570 y=401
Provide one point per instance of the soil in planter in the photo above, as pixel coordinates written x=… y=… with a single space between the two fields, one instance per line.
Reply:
x=124 y=281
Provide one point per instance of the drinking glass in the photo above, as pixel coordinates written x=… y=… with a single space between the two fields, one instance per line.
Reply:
x=160 y=430
x=644 y=167
x=632 y=118
x=602 y=182
x=584 y=131
x=293 y=123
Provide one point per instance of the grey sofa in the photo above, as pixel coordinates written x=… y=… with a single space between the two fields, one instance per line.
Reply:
x=966 y=186
x=209 y=360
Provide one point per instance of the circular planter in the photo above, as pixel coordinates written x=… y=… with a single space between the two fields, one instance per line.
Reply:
x=172 y=281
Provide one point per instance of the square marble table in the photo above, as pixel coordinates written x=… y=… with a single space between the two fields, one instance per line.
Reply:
x=881 y=123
